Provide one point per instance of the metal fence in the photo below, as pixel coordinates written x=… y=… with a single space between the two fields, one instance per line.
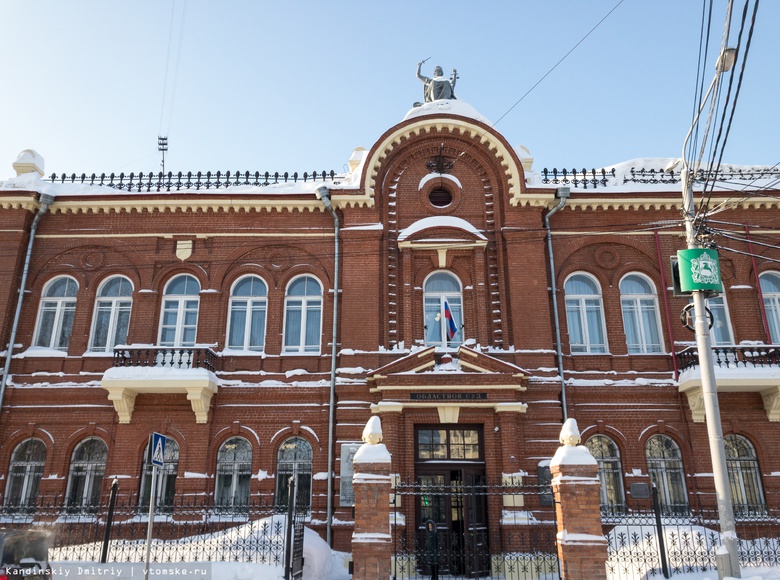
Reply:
x=470 y=543
x=185 y=531
x=689 y=542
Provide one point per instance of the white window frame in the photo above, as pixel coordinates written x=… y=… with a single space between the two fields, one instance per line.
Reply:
x=720 y=315
x=61 y=306
x=286 y=467
x=254 y=304
x=93 y=477
x=115 y=306
x=577 y=306
x=635 y=306
x=433 y=301
x=31 y=473
x=240 y=471
x=744 y=476
x=612 y=494
x=308 y=303
x=771 y=304
x=183 y=307
x=663 y=470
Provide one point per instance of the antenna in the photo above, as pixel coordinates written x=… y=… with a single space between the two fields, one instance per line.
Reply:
x=162 y=146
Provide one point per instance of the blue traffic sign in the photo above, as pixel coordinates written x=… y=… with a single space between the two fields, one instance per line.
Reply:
x=157 y=449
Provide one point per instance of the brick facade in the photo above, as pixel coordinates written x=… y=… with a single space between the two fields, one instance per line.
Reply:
x=502 y=384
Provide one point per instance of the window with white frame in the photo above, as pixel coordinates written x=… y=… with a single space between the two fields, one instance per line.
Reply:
x=55 y=318
x=641 y=320
x=443 y=305
x=112 y=314
x=585 y=315
x=85 y=479
x=303 y=316
x=234 y=472
x=747 y=492
x=665 y=467
x=166 y=476
x=607 y=455
x=770 y=290
x=720 y=332
x=246 y=324
x=179 y=318
x=24 y=473
x=294 y=458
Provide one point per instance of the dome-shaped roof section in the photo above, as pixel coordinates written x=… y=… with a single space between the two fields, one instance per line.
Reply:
x=446 y=107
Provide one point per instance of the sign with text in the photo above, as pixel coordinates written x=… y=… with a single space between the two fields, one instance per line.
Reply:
x=447 y=396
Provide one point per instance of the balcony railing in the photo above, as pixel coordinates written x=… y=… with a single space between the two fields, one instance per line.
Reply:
x=166 y=357
x=743 y=356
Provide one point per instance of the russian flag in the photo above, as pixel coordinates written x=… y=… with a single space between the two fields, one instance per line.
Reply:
x=452 y=328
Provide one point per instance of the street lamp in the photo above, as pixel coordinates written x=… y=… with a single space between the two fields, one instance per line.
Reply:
x=730 y=566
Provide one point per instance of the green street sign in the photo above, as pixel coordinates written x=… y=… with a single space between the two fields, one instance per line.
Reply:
x=699 y=270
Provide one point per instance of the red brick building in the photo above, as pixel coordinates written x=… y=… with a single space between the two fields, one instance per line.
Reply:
x=201 y=307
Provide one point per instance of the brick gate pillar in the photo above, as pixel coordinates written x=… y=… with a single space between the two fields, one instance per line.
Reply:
x=372 y=546
x=582 y=547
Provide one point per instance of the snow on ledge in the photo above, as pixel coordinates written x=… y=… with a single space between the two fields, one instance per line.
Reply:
x=439 y=222
x=446 y=107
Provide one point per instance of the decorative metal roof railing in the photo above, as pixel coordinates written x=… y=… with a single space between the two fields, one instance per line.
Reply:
x=594 y=178
x=178 y=181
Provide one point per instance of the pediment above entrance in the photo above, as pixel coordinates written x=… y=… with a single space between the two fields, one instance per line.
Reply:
x=463 y=370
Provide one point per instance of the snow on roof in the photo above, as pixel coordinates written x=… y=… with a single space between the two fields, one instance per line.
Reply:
x=438 y=222
x=446 y=107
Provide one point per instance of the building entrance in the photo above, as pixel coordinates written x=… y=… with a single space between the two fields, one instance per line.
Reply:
x=452 y=492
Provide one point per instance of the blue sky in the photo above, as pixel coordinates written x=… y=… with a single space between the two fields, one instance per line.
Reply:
x=296 y=86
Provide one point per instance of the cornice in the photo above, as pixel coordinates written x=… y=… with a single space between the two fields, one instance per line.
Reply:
x=196 y=203
x=19 y=202
x=623 y=201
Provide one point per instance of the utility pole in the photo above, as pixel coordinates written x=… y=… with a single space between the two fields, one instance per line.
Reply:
x=726 y=566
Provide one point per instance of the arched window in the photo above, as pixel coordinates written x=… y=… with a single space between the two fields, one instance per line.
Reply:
x=303 y=315
x=770 y=290
x=246 y=330
x=24 y=473
x=607 y=455
x=294 y=458
x=665 y=467
x=87 y=466
x=55 y=317
x=443 y=301
x=234 y=471
x=179 y=319
x=747 y=493
x=166 y=476
x=641 y=321
x=585 y=315
x=112 y=314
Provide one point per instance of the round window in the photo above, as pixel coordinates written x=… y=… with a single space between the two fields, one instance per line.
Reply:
x=440 y=197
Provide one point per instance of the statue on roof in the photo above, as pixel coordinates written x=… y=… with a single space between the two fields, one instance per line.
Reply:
x=438 y=87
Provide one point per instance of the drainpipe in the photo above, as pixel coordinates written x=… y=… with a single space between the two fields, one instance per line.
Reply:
x=45 y=201
x=323 y=194
x=562 y=194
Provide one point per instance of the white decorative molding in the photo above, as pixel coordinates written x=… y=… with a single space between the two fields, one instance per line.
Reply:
x=448 y=413
x=771 y=399
x=696 y=403
x=200 y=398
x=124 y=402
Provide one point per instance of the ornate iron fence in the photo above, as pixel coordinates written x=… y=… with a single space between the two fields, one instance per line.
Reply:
x=179 y=181
x=492 y=531
x=690 y=542
x=187 y=531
